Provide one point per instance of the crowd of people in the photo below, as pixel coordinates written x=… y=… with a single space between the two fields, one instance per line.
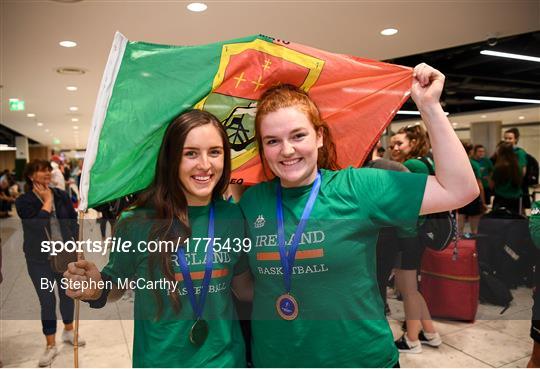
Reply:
x=315 y=231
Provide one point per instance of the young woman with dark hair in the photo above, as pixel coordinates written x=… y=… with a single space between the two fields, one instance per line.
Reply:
x=315 y=228
x=193 y=325
x=506 y=178
x=47 y=215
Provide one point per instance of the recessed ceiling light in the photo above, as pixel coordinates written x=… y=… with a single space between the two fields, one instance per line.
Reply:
x=68 y=43
x=483 y=116
x=389 y=31
x=197 y=7
x=73 y=108
x=71 y=88
x=46 y=130
x=39 y=124
x=75 y=127
x=521 y=117
x=74 y=119
x=30 y=115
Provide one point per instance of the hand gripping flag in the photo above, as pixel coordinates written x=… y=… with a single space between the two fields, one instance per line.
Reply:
x=145 y=86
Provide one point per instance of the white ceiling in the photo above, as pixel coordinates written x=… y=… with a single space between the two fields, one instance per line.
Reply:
x=30 y=32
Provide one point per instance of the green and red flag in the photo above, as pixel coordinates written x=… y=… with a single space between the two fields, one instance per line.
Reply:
x=145 y=86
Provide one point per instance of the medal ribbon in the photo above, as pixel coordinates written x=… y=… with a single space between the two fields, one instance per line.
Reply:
x=287 y=258
x=184 y=268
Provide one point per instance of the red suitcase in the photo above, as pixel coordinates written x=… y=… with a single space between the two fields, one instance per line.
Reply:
x=451 y=285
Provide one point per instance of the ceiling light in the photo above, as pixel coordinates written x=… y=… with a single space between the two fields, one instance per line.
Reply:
x=30 y=115
x=506 y=99
x=413 y=112
x=68 y=43
x=483 y=116
x=73 y=108
x=74 y=119
x=70 y=71
x=197 y=7
x=39 y=124
x=46 y=130
x=71 y=88
x=389 y=32
x=521 y=117
x=75 y=127
x=510 y=55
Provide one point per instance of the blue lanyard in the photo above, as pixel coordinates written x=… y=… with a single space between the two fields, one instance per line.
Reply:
x=287 y=258
x=184 y=268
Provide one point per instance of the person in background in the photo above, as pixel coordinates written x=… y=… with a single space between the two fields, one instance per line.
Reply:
x=57 y=177
x=47 y=214
x=411 y=147
x=6 y=199
x=473 y=211
x=486 y=168
x=506 y=179
x=511 y=136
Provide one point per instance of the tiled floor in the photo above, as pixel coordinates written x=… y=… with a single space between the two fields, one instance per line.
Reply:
x=494 y=340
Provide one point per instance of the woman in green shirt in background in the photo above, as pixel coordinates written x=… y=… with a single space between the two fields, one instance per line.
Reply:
x=506 y=179
x=411 y=147
x=320 y=306
x=194 y=324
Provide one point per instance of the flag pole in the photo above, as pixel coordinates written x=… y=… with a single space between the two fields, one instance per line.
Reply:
x=80 y=256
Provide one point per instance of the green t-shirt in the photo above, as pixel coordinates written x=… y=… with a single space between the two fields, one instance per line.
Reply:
x=165 y=342
x=521 y=157
x=534 y=223
x=417 y=166
x=504 y=187
x=341 y=321
x=486 y=168
x=476 y=169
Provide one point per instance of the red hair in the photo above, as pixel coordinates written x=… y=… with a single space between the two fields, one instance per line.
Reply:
x=285 y=96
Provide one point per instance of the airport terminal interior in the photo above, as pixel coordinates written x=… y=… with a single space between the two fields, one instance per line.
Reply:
x=56 y=62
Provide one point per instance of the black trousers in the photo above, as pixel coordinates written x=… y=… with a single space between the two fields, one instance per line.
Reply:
x=39 y=272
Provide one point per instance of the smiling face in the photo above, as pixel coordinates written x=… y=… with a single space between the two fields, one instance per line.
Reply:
x=510 y=138
x=401 y=147
x=201 y=165
x=290 y=146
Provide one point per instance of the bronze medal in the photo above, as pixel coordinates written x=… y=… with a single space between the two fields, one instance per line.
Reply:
x=198 y=332
x=287 y=307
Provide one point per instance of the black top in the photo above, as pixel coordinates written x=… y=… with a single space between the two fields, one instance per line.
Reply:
x=35 y=220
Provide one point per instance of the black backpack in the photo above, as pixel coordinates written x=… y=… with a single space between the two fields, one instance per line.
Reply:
x=492 y=289
x=531 y=173
x=505 y=245
x=437 y=229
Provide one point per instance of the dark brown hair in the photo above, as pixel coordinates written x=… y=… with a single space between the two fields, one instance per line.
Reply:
x=285 y=96
x=419 y=142
x=506 y=166
x=35 y=165
x=166 y=196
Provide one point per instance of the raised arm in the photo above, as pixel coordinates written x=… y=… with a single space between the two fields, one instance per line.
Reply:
x=454 y=184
